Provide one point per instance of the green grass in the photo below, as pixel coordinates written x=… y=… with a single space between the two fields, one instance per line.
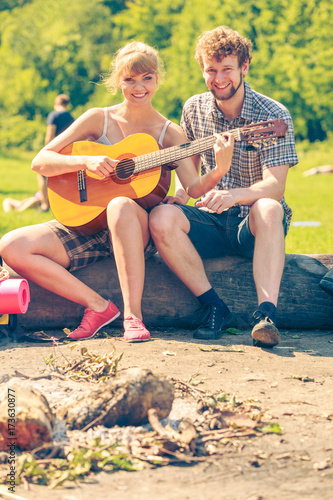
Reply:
x=18 y=181
x=310 y=197
x=311 y=200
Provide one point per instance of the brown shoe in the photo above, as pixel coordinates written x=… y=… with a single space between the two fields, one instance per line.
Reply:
x=264 y=332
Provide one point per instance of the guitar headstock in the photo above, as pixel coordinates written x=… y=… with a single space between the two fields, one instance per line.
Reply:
x=263 y=132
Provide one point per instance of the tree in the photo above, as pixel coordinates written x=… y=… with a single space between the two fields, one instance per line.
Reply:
x=48 y=48
x=60 y=46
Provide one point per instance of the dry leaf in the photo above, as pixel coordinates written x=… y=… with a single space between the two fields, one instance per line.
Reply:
x=324 y=464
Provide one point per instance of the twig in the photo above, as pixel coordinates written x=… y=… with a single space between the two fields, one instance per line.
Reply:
x=158 y=427
x=25 y=482
x=20 y=374
x=181 y=457
x=104 y=412
x=216 y=436
x=78 y=363
x=190 y=386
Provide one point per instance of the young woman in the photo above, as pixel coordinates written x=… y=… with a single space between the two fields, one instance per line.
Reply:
x=46 y=253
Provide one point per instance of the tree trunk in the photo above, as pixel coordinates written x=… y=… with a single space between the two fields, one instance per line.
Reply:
x=123 y=400
x=26 y=419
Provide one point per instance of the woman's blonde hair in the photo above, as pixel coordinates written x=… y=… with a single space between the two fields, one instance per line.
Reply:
x=135 y=58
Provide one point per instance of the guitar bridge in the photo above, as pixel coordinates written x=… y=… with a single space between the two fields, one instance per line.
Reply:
x=81 y=184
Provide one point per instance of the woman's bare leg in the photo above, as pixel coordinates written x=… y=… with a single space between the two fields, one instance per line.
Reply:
x=36 y=253
x=128 y=224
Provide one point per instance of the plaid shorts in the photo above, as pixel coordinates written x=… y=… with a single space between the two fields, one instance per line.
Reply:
x=84 y=250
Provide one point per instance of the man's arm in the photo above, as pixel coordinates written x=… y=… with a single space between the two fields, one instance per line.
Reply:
x=188 y=170
x=271 y=186
x=189 y=183
x=50 y=133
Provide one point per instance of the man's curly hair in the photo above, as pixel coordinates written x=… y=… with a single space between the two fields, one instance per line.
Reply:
x=221 y=42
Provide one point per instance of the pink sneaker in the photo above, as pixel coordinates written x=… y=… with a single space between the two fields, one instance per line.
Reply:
x=92 y=321
x=135 y=330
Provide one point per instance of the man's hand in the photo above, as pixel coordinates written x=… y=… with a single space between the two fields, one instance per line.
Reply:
x=178 y=200
x=217 y=200
x=223 y=148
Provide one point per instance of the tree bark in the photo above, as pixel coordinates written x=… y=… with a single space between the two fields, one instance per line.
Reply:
x=124 y=400
x=27 y=422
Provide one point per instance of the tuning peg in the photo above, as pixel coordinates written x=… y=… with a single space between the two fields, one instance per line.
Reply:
x=256 y=145
x=274 y=141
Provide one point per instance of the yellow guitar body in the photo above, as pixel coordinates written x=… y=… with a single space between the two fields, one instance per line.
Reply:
x=88 y=217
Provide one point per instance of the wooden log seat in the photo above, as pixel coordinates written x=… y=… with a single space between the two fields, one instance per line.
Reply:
x=168 y=303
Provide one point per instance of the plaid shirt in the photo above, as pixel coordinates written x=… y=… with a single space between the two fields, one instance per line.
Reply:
x=201 y=118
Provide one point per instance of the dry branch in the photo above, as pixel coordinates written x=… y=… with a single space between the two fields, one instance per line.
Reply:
x=33 y=419
x=123 y=400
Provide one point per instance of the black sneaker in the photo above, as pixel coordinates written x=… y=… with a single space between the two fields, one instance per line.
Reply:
x=210 y=327
x=264 y=332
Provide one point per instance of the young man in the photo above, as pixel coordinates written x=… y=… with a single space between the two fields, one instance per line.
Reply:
x=59 y=119
x=245 y=214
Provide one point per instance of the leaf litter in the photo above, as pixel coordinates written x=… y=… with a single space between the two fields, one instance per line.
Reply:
x=201 y=426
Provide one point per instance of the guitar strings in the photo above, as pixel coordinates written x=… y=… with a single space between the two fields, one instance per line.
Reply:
x=156 y=159
x=113 y=177
x=149 y=161
x=174 y=153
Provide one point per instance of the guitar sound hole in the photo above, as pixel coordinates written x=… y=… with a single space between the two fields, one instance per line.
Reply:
x=125 y=168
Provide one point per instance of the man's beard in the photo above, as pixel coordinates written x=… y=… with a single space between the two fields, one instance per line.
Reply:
x=232 y=92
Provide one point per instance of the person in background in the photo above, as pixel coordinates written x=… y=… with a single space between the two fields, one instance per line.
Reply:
x=34 y=201
x=57 y=121
x=245 y=214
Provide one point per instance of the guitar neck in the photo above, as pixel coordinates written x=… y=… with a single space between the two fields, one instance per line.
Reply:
x=175 y=153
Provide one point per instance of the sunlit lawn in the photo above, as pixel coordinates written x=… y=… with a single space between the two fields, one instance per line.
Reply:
x=310 y=197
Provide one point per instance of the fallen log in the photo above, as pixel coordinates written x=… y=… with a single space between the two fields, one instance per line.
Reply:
x=26 y=419
x=168 y=303
x=123 y=400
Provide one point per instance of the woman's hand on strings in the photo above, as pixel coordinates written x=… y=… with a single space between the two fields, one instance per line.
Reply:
x=102 y=166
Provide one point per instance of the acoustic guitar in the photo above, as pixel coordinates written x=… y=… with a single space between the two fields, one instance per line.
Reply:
x=79 y=199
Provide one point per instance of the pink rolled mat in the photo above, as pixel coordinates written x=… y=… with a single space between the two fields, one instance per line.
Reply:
x=14 y=296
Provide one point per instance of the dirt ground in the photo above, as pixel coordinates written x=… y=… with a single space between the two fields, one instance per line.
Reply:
x=293 y=382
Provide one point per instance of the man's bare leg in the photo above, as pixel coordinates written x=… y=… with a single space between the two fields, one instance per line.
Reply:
x=266 y=217
x=169 y=228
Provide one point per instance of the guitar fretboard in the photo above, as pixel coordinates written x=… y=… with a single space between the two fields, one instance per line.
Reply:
x=174 y=153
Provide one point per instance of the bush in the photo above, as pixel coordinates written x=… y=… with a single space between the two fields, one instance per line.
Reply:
x=17 y=132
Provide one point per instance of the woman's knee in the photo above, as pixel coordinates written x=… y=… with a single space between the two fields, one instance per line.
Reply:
x=18 y=246
x=12 y=246
x=125 y=215
x=120 y=209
